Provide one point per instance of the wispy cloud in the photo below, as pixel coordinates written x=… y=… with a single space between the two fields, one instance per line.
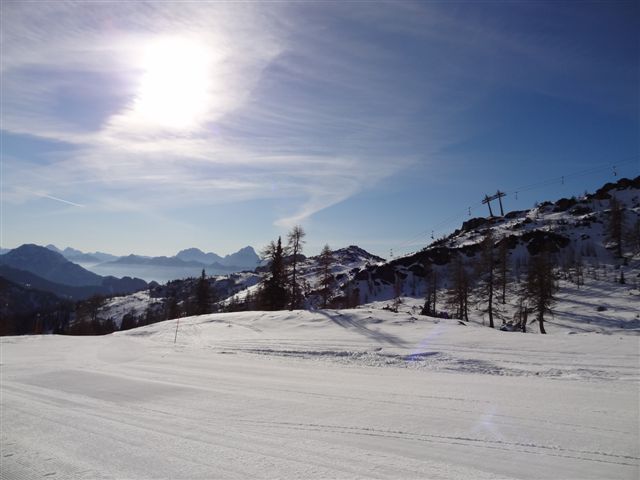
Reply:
x=310 y=103
x=40 y=194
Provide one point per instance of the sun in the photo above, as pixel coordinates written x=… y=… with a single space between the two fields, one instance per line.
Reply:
x=174 y=90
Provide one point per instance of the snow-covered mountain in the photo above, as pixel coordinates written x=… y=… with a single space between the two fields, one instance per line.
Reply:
x=573 y=230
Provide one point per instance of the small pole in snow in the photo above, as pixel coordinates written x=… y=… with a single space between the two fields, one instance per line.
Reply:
x=176 y=337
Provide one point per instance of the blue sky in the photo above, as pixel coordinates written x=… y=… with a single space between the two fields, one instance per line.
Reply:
x=153 y=127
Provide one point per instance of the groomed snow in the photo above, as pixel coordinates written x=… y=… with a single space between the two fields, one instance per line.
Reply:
x=333 y=394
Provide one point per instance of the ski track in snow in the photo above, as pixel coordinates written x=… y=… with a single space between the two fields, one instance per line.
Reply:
x=307 y=395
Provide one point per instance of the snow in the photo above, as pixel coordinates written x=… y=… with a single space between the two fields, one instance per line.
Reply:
x=361 y=393
x=136 y=304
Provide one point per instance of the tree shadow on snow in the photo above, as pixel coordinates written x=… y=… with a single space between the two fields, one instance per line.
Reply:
x=359 y=327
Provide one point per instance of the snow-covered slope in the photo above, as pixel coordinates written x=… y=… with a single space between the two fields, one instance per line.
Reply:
x=575 y=231
x=333 y=394
x=136 y=304
x=347 y=262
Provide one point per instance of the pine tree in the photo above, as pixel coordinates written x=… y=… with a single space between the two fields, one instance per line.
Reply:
x=503 y=268
x=173 y=311
x=326 y=261
x=616 y=225
x=487 y=274
x=579 y=271
x=633 y=237
x=249 y=303
x=431 y=289
x=460 y=287
x=427 y=308
x=274 y=293
x=540 y=286
x=202 y=295
x=522 y=314
x=295 y=242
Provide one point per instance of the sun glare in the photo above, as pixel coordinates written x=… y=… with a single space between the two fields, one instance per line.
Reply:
x=174 y=89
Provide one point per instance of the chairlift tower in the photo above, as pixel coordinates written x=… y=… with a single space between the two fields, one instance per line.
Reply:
x=498 y=195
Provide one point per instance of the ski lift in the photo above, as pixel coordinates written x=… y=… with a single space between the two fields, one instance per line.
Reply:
x=469 y=211
x=432 y=237
x=615 y=174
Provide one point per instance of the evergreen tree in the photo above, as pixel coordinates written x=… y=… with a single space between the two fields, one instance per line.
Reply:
x=249 y=303
x=460 y=287
x=129 y=320
x=326 y=281
x=579 y=271
x=633 y=237
x=487 y=274
x=295 y=241
x=173 y=310
x=522 y=314
x=202 y=295
x=540 y=286
x=431 y=287
x=616 y=225
x=503 y=268
x=274 y=292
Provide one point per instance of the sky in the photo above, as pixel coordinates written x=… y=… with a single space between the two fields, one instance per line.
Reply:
x=133 y=127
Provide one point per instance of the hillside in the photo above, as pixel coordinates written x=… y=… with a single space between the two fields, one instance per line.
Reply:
x=228 y=289
x=573 y=231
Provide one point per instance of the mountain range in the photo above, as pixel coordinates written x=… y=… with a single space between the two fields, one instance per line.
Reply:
x=186 y=263
x=41 y=268
x=77 y=256
x=75 y=275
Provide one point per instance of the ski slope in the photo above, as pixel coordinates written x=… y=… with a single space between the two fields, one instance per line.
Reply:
x=329 y=394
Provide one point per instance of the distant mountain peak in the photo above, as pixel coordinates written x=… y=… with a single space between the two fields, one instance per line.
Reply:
x=244 y=258
x=53 y=248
